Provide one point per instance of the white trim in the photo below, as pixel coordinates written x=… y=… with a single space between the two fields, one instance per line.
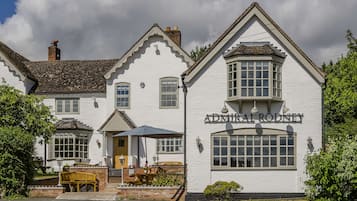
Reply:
x=154 y=31
x=270 y=25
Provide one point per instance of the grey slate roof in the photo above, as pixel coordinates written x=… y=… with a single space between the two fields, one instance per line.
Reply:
x=71 y=76
x=72 y=124
x=255 y=49
x=17 y=60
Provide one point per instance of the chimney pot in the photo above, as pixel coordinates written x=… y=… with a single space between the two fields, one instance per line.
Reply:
x=174 y=34
x=54 y=53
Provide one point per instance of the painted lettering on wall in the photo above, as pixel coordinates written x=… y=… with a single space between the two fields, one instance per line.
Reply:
x=215 y=118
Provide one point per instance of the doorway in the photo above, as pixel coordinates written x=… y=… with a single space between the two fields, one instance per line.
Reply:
x=120 y=147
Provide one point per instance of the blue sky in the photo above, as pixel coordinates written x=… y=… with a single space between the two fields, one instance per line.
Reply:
x=7 y=9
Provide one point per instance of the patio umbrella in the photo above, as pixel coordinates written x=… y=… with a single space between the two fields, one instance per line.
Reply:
x=148 y=131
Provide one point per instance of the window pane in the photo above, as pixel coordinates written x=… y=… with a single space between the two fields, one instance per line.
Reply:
x=59 y=105
x=257 y=162
x=249 y=140
x=265 y=162
x=224 y=161
x=233 y=151
x=282 y=161
x=224 y=151
x=241 y=162
x=249 y=151
x=233 y=162
x=290 y=161
x=249 y=162
x=67 y=106
x=216 y=161
x=223 y=141
x=233 y=141
x=75 y=105
x=282 y=151
x=273 y=162
x=240 y=140
x=251 y=92
x=241 y=151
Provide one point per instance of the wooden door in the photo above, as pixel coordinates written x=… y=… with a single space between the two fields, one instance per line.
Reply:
x=120 y=146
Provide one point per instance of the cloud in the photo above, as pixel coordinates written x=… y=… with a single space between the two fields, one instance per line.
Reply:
x=93 y=29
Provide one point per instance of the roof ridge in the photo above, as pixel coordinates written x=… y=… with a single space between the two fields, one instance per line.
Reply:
x=71 y=60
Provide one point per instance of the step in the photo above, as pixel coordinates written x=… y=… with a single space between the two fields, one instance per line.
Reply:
x=88 y=196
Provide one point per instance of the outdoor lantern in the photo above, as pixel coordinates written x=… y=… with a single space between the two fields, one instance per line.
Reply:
x=254 y=109
x=224 y=109
x=59 y=163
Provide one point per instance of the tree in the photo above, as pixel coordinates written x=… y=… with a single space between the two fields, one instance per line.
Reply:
x=198 y=52
x=340 y=93
x=16 y=167
x=333 y=173
x=26 y=112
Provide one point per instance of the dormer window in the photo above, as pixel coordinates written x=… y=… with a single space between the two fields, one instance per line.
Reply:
x=254 y=72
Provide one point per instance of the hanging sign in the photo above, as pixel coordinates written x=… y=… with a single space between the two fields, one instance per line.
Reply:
x=215 y=118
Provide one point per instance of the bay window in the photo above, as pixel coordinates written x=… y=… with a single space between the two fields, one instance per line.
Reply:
x=254 y=72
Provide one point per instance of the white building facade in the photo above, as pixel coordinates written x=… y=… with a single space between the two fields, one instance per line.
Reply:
x=259 y=109
x=254 y=106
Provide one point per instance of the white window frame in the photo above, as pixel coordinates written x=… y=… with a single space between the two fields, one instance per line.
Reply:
x=240 y=154
x=235 y=80
x=176 y=93
x=124 y=84
x=69 y=145
x=63 y=102
x=169 y=145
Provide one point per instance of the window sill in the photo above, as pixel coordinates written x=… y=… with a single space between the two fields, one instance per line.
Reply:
x=255 y=169
x=258 y=98
x=165 y=153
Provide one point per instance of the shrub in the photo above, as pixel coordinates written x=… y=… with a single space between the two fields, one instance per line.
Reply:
x=167 y=180
x=221 y=190
x=16 y=166
x=333 y=173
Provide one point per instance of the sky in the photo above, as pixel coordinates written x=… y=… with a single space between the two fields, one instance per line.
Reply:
x=101 y=29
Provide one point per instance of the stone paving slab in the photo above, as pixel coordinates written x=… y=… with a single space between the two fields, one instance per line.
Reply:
x=88 y=196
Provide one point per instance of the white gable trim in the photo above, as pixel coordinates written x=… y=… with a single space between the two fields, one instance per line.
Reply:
x=155 y=30
x=12 y=68
x=255 y=11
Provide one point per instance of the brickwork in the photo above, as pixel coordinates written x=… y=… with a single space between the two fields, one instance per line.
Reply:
x=147 y=193
x=101 y=172
x=45 y=191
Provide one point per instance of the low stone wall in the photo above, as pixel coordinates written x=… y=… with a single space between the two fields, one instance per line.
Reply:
x=101 y=172
x=147 y=192
x=45 y=191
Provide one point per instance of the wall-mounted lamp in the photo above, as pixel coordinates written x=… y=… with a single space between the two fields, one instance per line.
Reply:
x=157 y=51
x=254 y=110
x=3 y=80
x=199 y=144
x=224 y=109
x=142 y=85
x=98 y=143
x=310 y=146
x=95 y=103
x=285 y=109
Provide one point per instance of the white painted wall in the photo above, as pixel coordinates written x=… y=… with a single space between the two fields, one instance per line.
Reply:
x=89 y=115
x=207 y=94
x=149 y=67
x=11 y=77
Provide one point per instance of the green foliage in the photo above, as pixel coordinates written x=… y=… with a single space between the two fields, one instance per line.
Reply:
x=167 y=180
x=198 y=52
x=25 y=111
x=342 y=131
x=221 y=190
x=341 y=90
x=333 y=173
x=16 y=167
x=352 y=42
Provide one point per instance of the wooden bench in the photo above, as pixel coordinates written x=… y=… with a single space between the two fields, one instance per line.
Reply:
x=76 y=179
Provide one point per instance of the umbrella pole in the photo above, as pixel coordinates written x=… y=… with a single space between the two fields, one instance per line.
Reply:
x=146 y=153
x=138 y=161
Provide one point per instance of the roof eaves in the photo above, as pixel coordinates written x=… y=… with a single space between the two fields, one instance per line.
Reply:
x=154 y=30
x=193 y=69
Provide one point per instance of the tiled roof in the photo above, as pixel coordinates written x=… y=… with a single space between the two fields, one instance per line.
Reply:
x=17 y=60
x=256 y=49
x=72 y=124
x=76 y=76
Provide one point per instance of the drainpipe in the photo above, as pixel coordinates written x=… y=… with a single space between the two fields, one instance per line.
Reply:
x=184 y=89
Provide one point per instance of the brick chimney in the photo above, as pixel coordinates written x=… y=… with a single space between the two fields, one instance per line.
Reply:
x=54 y=53
x=174 y=34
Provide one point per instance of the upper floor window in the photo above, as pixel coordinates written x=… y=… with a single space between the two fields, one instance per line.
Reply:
x=169 y=92
x=254 y=72
x=67 y=105
x=122 y=91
